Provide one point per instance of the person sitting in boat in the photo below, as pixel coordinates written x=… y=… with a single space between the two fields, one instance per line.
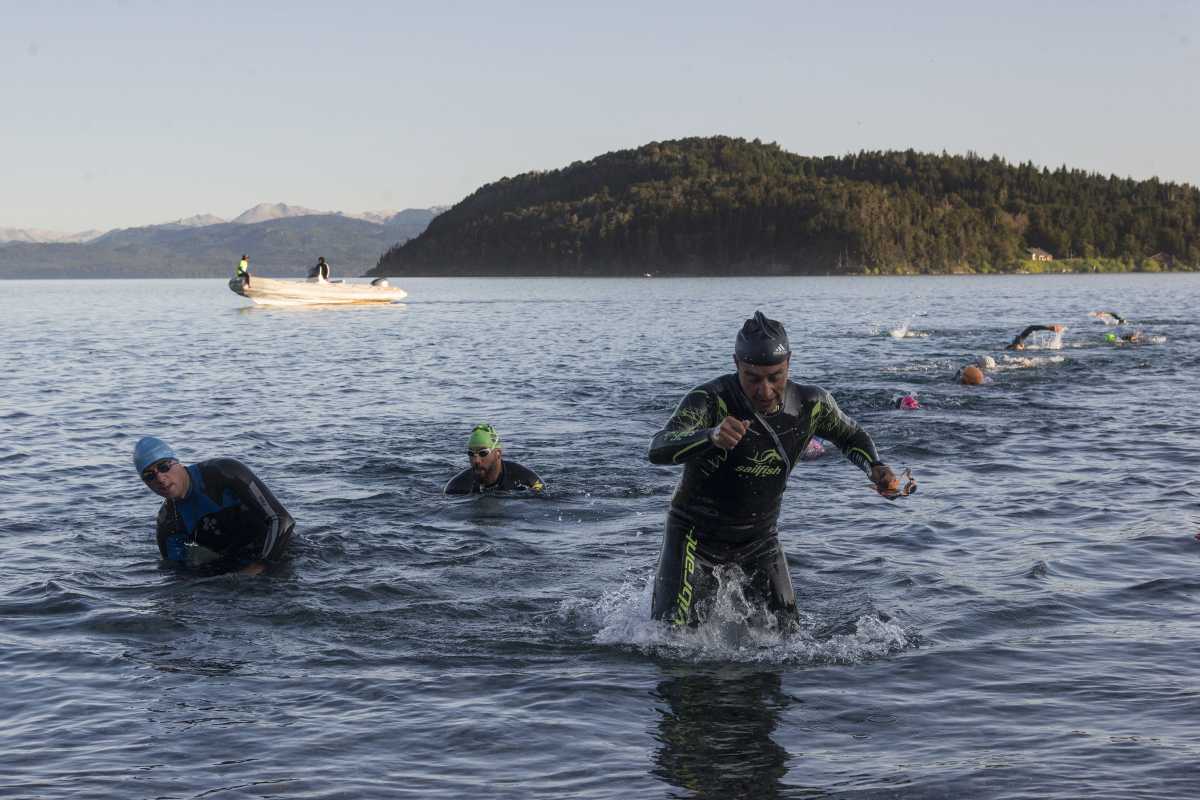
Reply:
x=243 y=269
x=320 y=273
x=489 y=472
x=216 y=516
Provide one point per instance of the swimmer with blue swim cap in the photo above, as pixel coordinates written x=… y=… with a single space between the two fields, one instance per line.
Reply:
x=216 y=516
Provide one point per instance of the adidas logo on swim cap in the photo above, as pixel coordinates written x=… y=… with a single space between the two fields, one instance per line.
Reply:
x=780 y=349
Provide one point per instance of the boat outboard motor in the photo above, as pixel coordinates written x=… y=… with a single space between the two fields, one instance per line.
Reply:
x=380 y=282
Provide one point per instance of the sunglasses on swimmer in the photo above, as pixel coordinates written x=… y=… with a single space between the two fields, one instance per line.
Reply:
x=161 y=468
x=482 y=452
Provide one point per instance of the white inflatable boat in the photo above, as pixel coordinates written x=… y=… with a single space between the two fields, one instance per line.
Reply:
x=275 y=292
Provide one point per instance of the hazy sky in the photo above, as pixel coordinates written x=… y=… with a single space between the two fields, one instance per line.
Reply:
x=116 y=114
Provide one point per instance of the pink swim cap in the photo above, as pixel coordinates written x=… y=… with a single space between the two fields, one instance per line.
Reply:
x=908 y=402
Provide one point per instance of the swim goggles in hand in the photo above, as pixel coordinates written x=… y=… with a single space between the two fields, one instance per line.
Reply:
x=910 y=486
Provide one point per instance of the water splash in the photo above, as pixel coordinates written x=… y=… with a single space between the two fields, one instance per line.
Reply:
x=734 y=630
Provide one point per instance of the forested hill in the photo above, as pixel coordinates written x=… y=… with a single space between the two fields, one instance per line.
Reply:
x=723 y=206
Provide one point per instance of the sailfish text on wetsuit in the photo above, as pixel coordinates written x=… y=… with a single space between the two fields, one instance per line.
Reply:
x=735 y=495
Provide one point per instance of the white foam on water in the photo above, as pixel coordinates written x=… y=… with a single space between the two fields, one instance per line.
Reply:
x=1028 y=362
x=733 y=629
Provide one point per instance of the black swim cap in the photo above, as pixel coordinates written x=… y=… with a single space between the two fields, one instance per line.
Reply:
x=762 y=341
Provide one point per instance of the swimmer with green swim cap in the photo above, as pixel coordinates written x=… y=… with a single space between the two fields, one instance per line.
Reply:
x=1136 y=337
x=489 y=472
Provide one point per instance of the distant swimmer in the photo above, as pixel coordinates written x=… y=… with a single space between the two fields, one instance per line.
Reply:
x=970 y=375
x=738 y=437
x=1108 y=317
x=907 y=402
x=1018 y=342
x=1136 y=337
x=243 y=269
x=489 y=472
x=217 y=516
x=813 y=450
x=975 y=373
x=320 y=273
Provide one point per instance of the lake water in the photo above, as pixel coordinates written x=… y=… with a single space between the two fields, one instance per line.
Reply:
x=1025 y=625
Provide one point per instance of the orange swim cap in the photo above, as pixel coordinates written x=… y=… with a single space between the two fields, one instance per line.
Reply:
x=970 y=376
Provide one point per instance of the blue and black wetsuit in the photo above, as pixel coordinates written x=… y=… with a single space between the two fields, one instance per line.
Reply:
x=725 y=508
x=229 y=515
x=512 y=476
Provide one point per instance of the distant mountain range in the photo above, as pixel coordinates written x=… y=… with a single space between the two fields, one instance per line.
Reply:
x=40 y=235
x=280 y=239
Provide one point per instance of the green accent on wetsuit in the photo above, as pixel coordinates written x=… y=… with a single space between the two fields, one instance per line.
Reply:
x=735 y=495
x=687 y=576
x=693 y=421
x=683 y=598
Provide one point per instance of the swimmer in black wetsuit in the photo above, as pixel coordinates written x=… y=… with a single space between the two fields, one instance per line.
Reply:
x=1018 y=342
x=738 y=438
x=1136 y=337
x=217 y=515
x=1108 y=317
x=489 y=472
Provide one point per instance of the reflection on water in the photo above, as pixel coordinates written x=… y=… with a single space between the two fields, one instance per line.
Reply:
x=715 y=733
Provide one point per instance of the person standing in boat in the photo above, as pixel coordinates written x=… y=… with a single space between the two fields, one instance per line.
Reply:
x=320 y=273
x=243 y=269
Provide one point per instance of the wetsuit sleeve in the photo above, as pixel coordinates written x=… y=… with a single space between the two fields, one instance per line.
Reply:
x=522 y=477
x=686 y=434
x=831 y=424
x=1023 y=335
x=462 y=483
x=254 y=495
